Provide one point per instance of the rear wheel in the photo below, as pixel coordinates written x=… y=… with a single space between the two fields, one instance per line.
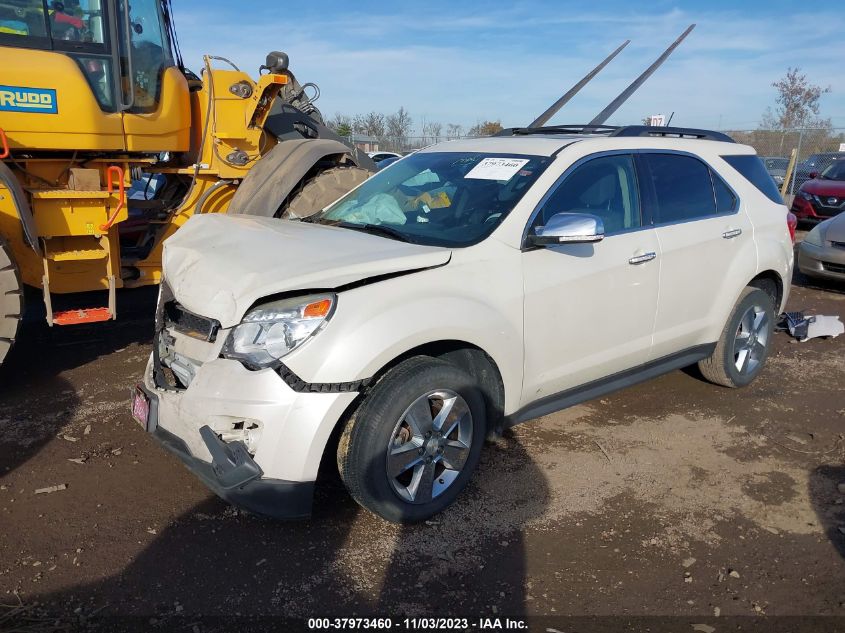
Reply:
x=321 y=190
x=411 y=446
x=11 y=300
x=744 y=345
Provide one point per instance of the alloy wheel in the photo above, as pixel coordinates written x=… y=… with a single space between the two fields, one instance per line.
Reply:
x=429 y=446
x=752 y=337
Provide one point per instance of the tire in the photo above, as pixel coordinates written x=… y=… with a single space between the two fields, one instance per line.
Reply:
x=318 y=192
x=742 y=349
x=431 y=470
x=11 y=300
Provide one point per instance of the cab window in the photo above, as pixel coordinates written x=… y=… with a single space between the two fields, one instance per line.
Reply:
x=150 y=53
x=74 y=27
x=24 y=19
x=605 y=187
x=52 y=25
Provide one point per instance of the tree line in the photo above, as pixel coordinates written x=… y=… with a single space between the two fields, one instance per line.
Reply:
x=396 y=130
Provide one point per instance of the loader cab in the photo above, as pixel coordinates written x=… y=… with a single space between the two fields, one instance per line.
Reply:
x=125 y=51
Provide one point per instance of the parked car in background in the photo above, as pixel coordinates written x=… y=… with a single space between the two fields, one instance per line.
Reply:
x=387 y=161
x=823 y=196
x=380 y=156
x=822 y=251
x=776 y=166
x=814 y=164
x=471 y=286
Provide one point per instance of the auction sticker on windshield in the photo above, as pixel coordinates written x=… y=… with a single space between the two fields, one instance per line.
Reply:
x=496 y=168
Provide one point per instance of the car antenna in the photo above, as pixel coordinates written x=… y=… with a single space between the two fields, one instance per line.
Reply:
x=605 y=114
x=557 y=105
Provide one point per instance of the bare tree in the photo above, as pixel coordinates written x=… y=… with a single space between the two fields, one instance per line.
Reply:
x=797 y=103
x=431 y=131
x=436 y=131
x=341 y=124
x=398 y=126
x=453 y=130
x=372 y=124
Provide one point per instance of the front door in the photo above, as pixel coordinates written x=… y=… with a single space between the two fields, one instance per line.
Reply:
x=590 y=308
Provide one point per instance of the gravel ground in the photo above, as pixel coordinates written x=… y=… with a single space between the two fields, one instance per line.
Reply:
x=671 y=498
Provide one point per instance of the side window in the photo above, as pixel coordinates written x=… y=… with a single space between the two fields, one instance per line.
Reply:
x=77 y=21
x=682 y=187
x=150 y=52
x=752 y=169
x=23 y=19
x=726 y=201
x=605 y=187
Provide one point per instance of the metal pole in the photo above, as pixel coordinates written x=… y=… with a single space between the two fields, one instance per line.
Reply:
x=605 y=114
x=557 y=105
x=798 y=157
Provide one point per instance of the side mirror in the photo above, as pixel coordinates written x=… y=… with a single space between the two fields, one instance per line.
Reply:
x=814 y=174
x=568 y=228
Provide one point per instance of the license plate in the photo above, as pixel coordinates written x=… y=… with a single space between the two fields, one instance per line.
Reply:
x=140 y=407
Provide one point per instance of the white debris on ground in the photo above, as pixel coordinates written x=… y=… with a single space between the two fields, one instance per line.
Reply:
x=804 y=327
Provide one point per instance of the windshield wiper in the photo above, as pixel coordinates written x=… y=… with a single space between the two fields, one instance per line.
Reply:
x=376 y=229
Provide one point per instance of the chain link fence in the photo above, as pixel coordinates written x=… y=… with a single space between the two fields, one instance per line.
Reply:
x=816 y=149
x=401 y=145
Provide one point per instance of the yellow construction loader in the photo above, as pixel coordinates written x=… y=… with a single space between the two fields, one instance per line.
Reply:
x=109 y=144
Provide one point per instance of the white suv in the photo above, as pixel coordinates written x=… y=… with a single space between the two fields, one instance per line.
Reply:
x=471 y=286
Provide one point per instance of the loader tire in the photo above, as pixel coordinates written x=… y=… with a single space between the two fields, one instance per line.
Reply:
x=316 y=193
x=11 y=300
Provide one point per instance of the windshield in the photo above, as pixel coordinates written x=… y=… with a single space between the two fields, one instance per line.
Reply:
x=835 y=171
x=450 y=199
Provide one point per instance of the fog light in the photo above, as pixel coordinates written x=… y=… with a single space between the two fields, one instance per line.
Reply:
x=252 y=437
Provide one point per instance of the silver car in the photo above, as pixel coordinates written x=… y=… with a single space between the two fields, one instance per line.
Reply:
x=822 y=253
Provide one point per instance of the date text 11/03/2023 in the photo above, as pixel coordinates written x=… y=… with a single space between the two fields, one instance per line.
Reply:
x=419 y=624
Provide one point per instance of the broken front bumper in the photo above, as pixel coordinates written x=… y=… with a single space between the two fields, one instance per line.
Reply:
x=233 y=475
x=269 y=469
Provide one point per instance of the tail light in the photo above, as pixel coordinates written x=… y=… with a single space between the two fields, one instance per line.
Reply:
x=792 y=224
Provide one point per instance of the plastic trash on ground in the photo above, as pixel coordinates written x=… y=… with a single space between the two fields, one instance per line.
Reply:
x=804 y=327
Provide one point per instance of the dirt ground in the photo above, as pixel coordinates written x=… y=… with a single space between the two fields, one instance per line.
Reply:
x=672 y=498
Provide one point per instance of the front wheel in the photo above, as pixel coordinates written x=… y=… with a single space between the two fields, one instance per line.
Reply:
x=413 y=443
x=744 y=345
x=11 y=300
x=321 y=190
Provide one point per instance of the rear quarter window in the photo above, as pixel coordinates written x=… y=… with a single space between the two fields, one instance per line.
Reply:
x=753 y=170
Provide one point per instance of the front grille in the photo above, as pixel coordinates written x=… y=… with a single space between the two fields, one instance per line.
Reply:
x=191 y=324
x=834 y=268
x=825 y=211
x=833 y=202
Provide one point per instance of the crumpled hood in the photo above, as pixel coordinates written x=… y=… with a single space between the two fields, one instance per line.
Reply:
x=219 y=265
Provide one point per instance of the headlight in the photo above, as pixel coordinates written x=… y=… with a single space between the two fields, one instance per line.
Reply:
x=814 y=237
x=805 y=195
x=271 y=331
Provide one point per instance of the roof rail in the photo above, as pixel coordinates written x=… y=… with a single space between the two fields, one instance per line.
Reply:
x=559 y=129
x=674 y=132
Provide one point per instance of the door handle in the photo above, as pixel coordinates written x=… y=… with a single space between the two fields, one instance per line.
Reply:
x=731 y=233
x=640 y=259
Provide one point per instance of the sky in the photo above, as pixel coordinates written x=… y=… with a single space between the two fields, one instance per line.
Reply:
x=467 y=61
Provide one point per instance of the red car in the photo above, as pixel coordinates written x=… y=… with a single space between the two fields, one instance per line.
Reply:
x=823 y=196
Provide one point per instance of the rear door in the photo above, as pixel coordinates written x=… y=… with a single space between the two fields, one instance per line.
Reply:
x=702 y=233
x=590 y=308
